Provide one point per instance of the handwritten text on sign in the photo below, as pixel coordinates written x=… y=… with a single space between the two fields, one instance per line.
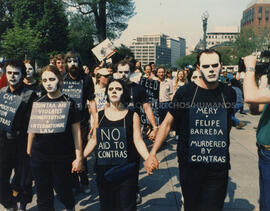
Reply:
x=49 y=117
x=9 y=105
x=112 y=146
x=208 y=140
x=73 y=89
x=152 y=90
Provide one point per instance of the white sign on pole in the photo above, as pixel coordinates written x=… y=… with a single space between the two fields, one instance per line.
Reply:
x=104 y=50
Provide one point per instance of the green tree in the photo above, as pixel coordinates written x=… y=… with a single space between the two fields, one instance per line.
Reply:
x=80 y=36
x=6 y=11
x=121 y=53
x=110 y=16
x=20 y=43
x=182 y=62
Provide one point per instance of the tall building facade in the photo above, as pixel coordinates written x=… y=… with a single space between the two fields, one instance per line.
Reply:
x=178 y=48
x=156 y=48
x=219 y=36
x=256 y=16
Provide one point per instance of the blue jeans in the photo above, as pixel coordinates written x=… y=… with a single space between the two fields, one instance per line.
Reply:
x=237 y=107
x=264 y=173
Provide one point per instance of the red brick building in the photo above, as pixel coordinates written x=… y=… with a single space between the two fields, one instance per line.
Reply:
x=256 y=16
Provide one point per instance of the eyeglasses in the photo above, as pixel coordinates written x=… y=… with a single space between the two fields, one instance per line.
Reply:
x=212 y=65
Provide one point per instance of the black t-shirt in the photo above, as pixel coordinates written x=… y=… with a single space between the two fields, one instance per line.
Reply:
x=138 y=96
x=133 y=155
x=57 y=146
x=180 y=109
x=37 y=88
x=88 y=93
x=22 y=116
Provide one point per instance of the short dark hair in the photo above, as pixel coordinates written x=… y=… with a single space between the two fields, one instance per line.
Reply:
x=16 y=63
x=208 y=51
x=144 y=67
x=123 y=63
x=125 y=98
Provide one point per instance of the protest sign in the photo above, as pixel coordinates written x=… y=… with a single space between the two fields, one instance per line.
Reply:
x=208 y=138
x=48 y=117
x=111 y=146
x=9 y=105
x=104 y=50
x=74 y=89
x=152 y=90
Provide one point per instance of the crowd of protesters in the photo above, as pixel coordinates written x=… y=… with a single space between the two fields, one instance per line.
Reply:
x=100 y=111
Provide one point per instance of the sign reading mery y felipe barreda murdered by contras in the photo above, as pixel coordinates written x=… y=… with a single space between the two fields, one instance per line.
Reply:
x=9 y=105
x=208 y=137
x=48 y=117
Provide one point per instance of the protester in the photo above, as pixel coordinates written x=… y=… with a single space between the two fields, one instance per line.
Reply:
x=203 y=174
x=196 y=75
x=148 y=73
x=139 y=101
x=55 y=155
x=165 y=93
x=169 y=75
x=180 y=80
x=60 y=63
x=86 y=70
x=103 y=76
x=253 y=94
x=80 y=88
x=52 y=60
x=13 y=138
x=117 y=193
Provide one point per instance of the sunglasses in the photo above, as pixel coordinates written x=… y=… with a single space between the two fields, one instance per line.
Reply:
x=212 y=65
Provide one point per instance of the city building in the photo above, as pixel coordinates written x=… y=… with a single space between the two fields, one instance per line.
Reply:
x=160 y=49
x=256 y=16
x=220 y=36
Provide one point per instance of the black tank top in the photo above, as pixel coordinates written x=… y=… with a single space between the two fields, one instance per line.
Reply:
x=127 y=122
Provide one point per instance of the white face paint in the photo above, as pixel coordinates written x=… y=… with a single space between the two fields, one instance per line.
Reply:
x=49 y=81
x=29 y=70
x=124 y=71
x=72 y=62
x=115 y=91
x=14 y=75
x=210 y=67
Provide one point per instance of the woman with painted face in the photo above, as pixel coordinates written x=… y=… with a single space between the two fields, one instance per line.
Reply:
x=117 y=141
x=55 y=155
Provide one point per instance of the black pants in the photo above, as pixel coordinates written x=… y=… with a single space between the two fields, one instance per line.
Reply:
x=51 y=176
x=82 y=178
x=203 y=188
x=117 y=196
x=13 y=156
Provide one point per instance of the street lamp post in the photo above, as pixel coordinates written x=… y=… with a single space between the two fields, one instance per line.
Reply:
x=205 y=17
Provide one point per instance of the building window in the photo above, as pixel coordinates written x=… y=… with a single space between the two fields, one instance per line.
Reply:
x=267 y=13
x=260 y=13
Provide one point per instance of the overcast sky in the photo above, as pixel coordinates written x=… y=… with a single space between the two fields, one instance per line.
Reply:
x=181 y=18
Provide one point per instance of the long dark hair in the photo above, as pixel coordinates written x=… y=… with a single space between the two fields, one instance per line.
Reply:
x=125 y=98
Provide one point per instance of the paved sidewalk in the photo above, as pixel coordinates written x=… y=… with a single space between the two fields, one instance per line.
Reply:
x=161 y=191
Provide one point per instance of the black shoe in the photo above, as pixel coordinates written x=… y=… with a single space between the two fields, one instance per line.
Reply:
x=138 y=198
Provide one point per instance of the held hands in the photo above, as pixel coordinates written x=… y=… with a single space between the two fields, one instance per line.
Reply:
x=77 y=166
x=152 y=134
x=151 y=164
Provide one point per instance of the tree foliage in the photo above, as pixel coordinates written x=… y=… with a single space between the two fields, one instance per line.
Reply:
x=110 y=16
x=20 y=42
x=81 y=30
x=182 y=62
